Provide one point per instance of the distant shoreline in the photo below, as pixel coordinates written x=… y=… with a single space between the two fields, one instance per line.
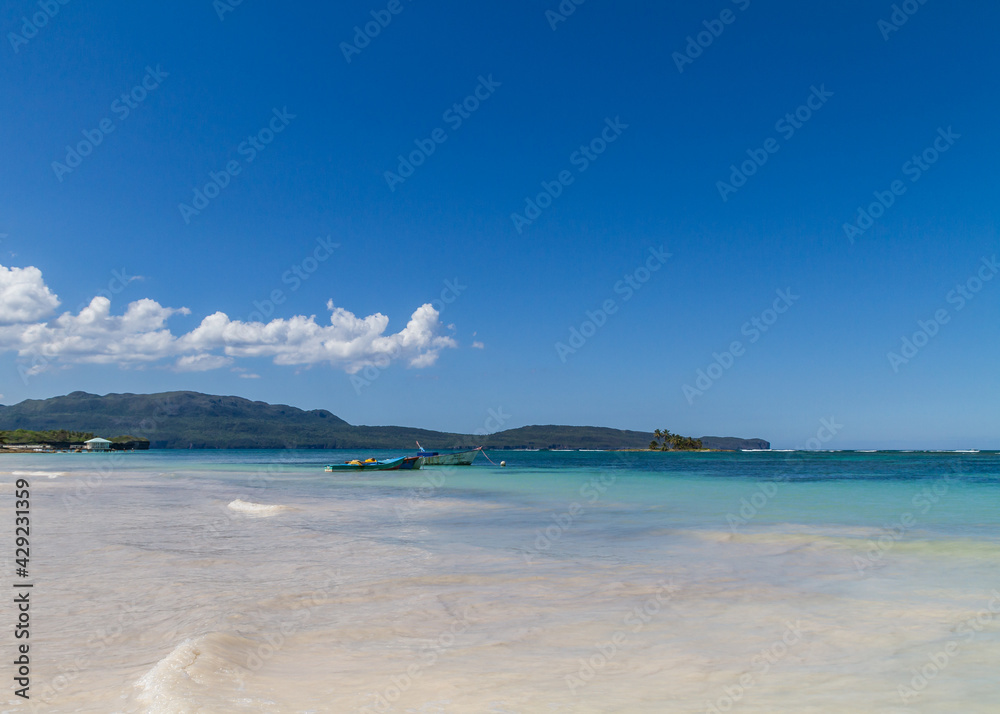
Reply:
x=15 y=450
x=184 y=418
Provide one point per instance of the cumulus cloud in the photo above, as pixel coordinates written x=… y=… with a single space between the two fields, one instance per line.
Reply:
x=96 y=336
x=202 y=363
x=141 y=336
x=24 y=297
x=348 y=341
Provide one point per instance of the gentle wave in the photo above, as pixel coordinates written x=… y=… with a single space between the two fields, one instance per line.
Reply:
x=200 y=672
x=50 y=474
x=257 y=509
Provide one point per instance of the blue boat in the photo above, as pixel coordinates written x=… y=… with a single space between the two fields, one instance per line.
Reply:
x=402 y=462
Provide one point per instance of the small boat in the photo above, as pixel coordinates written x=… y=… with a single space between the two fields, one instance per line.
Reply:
x=402 y=462
x=454 y=458
x=411 y=462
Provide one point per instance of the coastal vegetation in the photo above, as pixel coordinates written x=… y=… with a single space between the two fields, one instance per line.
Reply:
x=65 y=439
x=663 y=440
x=48 y=437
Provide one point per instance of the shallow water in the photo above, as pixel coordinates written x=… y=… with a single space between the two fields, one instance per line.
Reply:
x=252 y=581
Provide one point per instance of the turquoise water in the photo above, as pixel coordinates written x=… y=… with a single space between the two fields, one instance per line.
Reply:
x=566 y=581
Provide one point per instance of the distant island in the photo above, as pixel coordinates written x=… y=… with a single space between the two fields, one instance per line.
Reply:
x=674 y=442
x=182 y=420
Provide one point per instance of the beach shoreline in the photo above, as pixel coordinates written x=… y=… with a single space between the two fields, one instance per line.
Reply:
x=567 y=581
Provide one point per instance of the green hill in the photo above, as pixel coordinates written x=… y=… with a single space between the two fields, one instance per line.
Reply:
x=175 y=420
x=567 y=437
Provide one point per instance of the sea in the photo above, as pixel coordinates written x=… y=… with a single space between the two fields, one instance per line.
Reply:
x=171 y=582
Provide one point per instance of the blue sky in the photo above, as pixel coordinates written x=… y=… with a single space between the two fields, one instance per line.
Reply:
x=264 y=102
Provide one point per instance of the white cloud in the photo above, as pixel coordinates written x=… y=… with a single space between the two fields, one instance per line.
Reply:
x=24 y=296
x=348 y=342
x=95 y=336
x=202 y=363
x=479 y=345
x=141 y=336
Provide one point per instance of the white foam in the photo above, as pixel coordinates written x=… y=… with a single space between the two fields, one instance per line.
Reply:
x=50 y=474
x=257 y=509
x=157 y=684
x=200 y=674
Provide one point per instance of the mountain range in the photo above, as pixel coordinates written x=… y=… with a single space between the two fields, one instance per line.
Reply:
x=174 y=420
